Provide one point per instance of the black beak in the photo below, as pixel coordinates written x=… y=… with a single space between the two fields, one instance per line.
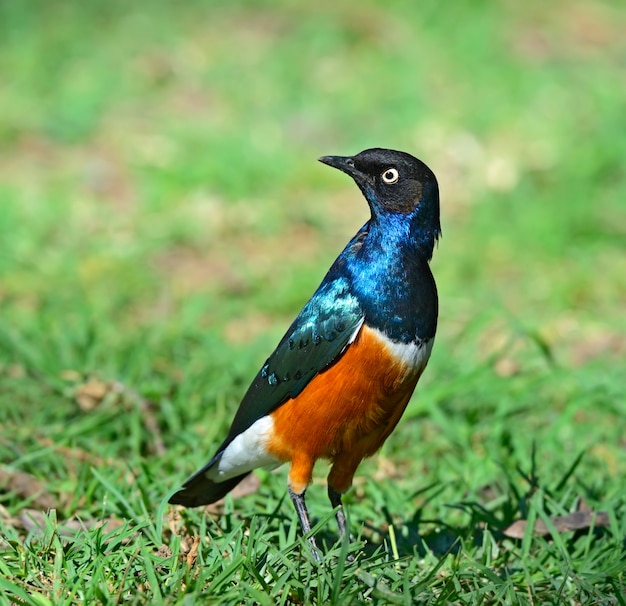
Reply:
x=343 y=163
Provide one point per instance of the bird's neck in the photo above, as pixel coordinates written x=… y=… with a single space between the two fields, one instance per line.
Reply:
x=387 y=266
x=400 y=235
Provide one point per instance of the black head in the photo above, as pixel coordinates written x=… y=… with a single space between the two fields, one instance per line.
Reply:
x=397 y=186
x=391 y=181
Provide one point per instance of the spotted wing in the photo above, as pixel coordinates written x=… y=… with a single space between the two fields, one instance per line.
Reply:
x=323 y=330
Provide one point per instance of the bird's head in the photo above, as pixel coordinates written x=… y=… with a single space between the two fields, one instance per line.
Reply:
x=395 y=183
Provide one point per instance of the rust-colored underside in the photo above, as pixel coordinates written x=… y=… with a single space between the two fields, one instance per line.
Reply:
x=344 y=414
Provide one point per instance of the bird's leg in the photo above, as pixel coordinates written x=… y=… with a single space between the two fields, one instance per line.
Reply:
x=305 y=522
x=335 y=501
x=339 y=481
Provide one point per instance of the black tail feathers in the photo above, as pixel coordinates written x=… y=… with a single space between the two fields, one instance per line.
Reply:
x=199 y=490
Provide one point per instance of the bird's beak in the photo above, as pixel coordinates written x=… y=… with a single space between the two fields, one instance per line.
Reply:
x=344 y=164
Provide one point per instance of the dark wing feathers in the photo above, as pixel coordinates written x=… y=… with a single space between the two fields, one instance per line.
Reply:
x=318 y=336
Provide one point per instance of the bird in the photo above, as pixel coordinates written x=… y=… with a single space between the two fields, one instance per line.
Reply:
x=342 y=375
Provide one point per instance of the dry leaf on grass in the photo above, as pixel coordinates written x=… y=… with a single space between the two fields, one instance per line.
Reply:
x=26 y=486
x=90 y=394
x=579 y=520
x=163 y=552
x=188 y=543
x=192 y=554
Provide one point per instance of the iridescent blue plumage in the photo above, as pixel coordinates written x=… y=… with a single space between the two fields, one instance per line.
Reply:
x=390 y=277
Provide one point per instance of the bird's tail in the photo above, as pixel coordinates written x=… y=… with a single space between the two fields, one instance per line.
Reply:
x=200 y=490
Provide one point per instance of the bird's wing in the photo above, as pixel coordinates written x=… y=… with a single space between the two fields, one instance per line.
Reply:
x=323 y=330
x=325 y=327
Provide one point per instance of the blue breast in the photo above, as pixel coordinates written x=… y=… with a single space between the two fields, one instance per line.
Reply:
x=387 y=269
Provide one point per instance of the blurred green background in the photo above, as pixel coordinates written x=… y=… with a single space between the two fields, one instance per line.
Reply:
x=163 y=218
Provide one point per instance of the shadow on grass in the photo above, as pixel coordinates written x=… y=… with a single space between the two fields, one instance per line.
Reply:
x=504 y=505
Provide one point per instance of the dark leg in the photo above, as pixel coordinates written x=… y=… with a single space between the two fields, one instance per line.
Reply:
x=335 y=501
x=303 y=515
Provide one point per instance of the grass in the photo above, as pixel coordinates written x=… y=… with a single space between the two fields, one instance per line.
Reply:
x=162 y=220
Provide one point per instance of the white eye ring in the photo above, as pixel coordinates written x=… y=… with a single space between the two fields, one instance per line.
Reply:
x=391 y=175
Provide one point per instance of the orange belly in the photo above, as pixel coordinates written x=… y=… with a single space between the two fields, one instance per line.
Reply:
x=345 y=413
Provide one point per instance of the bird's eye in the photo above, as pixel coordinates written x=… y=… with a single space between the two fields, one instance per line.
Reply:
x=390 y=176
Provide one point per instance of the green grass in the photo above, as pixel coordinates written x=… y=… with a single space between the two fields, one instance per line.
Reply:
x=162 y=220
